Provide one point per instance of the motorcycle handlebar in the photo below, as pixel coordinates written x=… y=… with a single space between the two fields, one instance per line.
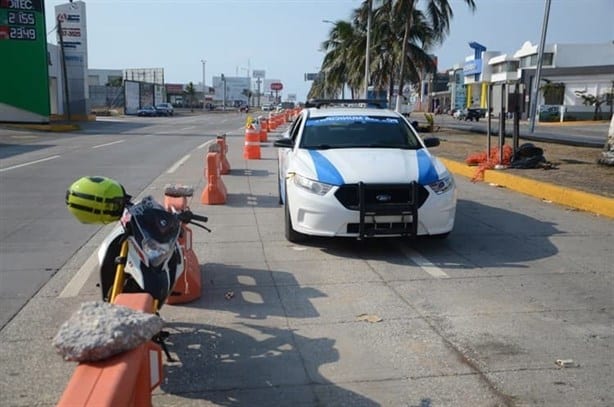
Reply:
x=199 y=218
x=188 y=216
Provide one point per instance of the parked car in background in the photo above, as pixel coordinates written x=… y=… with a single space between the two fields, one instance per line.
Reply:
x=267 y=107
x=474 y=114
x=165 y=109
x=149 y=111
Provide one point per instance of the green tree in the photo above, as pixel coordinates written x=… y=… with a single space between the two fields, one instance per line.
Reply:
x=340 y=50
x=439 y=14
x=190 y=92
x=592 y=100
x=392 y=49
x=248 y=94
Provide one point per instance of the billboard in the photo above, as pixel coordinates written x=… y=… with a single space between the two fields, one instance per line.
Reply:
x=258 y=73
x=72 y=39
x=24 y=76
x=235 y=88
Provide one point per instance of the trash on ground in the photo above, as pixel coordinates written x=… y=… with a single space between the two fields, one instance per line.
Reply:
x=565 y=363
x=369 y=318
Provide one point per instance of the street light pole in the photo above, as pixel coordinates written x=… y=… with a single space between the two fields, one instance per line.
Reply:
x=538 y=70
x=367 y=50
x=204 y=62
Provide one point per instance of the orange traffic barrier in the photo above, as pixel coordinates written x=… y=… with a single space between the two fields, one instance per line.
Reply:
x=264 y=128
x=189 y=286
x=224 y=164
x=214 y=192
x=251 y=150
x=126 y=379
x=272 y=123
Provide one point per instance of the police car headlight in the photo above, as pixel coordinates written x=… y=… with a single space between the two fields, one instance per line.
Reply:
x=315 y=187
x=442 y=185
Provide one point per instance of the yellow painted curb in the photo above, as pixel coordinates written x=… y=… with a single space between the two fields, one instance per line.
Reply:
x=53 y=127
x=596 y=204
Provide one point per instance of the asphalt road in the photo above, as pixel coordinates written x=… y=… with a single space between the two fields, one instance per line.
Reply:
x=478 y=319
x=37 y=234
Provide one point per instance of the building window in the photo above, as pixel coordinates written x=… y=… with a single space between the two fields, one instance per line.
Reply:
x=531 y=60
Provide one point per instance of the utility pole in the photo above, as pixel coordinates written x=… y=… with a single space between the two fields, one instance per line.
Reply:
x=538 y=71
x=204 y=62
x=224 y=91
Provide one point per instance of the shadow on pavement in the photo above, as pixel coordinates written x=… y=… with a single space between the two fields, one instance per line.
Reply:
x=254 y=295
x=257 y=366
x=483 y=236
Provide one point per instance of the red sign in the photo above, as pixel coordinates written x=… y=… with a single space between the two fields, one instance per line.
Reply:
x=277 y=86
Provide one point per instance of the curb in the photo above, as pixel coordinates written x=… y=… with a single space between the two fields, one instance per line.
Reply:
x=584 y=201
x=55 y=128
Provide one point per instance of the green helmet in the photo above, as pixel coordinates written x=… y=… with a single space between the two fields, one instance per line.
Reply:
x=96 y=200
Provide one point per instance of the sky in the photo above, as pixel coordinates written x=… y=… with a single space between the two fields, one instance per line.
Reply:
x=283 y=37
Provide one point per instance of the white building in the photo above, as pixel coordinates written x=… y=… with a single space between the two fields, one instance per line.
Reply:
x=571 y=68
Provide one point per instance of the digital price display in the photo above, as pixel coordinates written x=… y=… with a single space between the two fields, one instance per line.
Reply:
x=24 y=71
x=20 y=17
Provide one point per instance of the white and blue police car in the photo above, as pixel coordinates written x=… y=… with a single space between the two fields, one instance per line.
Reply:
x=350 y=168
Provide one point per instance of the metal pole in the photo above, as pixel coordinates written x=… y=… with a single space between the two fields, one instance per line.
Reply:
x=502 y=124
x=367 y=50
x=64 y=73
x=516 y=133
x=204 y=83
x=538 y=72
x=488 y=104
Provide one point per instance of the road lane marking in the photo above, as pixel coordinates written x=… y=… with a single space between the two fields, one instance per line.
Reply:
x=75 y=285
x=203 y=145
x=423 y=263
x=12 y=167
x=109 y=144
x=178 y=164
x=187 y=128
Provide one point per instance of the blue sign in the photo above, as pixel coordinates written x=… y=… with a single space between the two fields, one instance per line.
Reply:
x=473 y=67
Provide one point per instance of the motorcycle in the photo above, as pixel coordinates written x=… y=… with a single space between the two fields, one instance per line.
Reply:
x=143 y=252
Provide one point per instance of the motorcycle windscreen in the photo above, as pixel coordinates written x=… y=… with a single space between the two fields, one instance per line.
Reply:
x=155 y=230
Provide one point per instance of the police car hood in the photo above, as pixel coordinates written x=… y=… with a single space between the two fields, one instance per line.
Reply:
x=380 y=165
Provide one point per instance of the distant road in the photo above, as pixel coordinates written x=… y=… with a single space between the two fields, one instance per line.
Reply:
x=585 y=134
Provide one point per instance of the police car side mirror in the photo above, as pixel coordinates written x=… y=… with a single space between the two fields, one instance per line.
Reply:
x=431 y=141
x=284 y=142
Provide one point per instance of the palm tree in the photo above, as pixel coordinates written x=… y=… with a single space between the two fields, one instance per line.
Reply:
x=439 y=14
x=345 y=48
x=340 y=47
x=387 y=49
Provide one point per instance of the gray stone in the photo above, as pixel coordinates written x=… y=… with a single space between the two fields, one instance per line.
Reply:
x=99 y=330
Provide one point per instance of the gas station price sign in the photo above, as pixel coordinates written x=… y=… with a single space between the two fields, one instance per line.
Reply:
x=24 y=71
x=18 y=19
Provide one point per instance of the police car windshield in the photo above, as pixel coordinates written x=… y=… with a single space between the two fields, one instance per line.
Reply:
x=357 y=131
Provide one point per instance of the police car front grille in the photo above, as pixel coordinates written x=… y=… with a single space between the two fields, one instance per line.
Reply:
x=373 y=201
x=382 y=196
